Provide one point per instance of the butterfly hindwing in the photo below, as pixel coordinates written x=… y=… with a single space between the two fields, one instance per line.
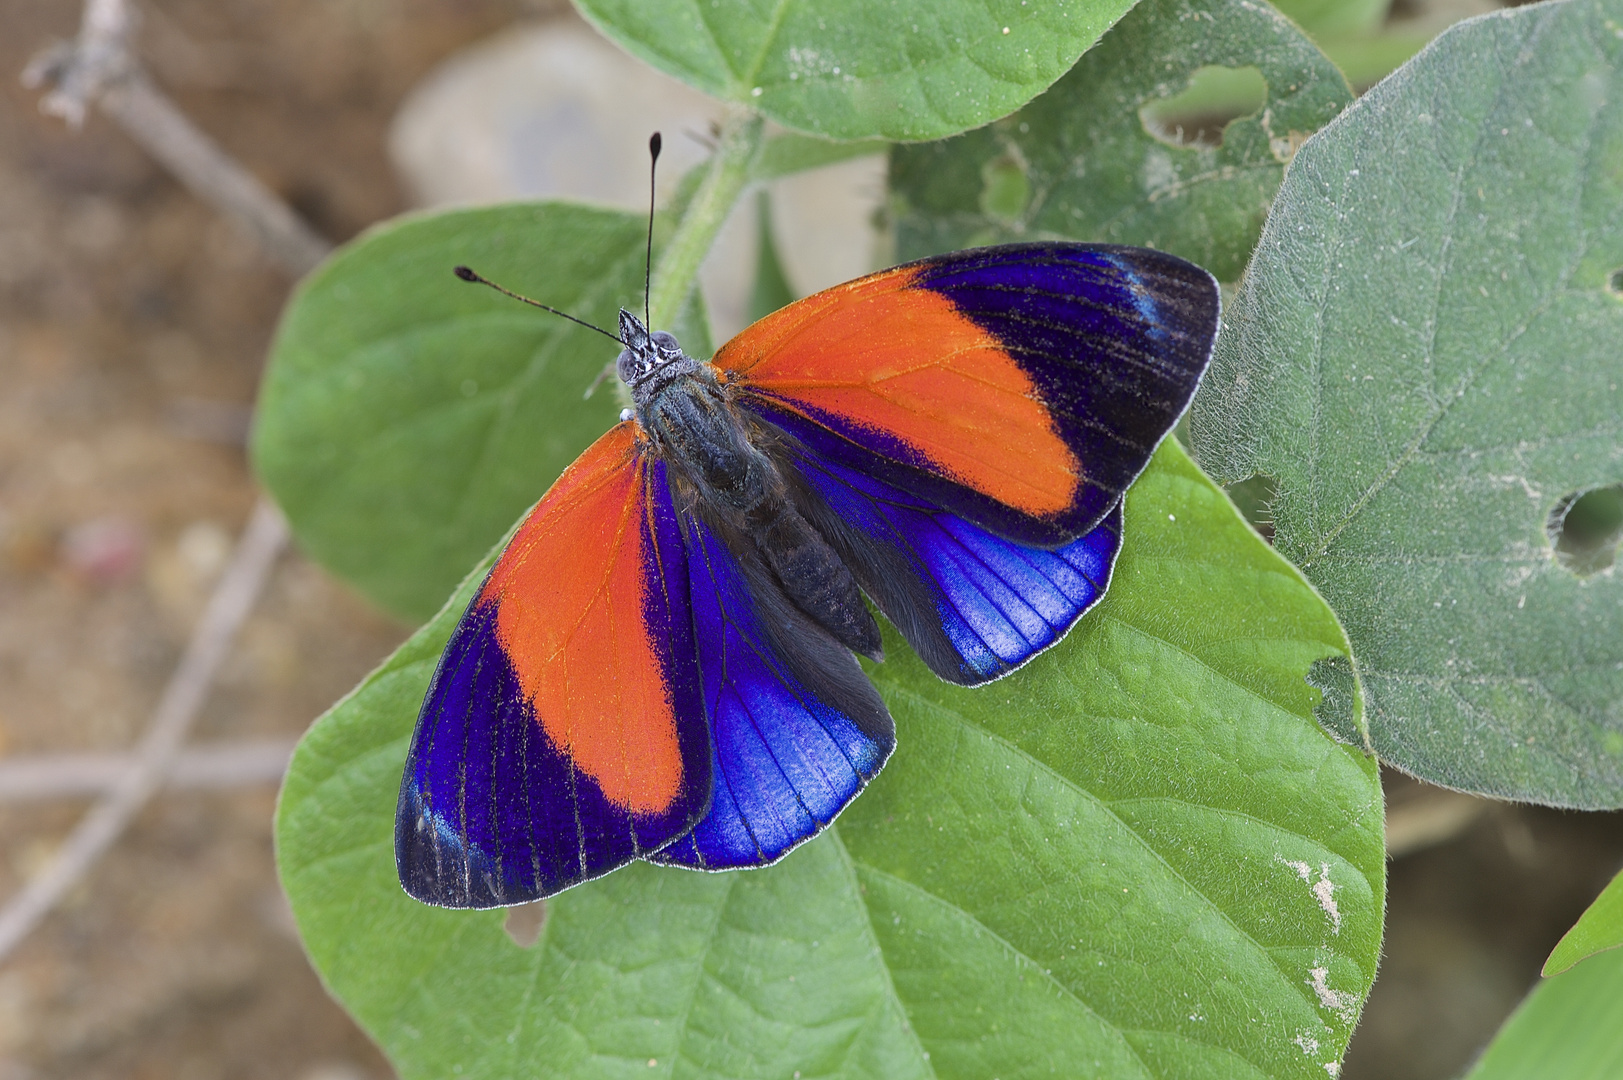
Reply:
x=1021 y=388
x=563 y=733
x=972 y=604
x=798 y=729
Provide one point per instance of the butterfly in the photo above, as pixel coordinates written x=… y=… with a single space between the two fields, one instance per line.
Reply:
x=662 y=663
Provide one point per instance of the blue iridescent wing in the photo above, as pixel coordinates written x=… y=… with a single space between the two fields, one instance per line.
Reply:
x=971 y=603
x=797 y=727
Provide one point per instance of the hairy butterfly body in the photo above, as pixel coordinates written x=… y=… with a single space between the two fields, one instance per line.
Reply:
x=662 y=663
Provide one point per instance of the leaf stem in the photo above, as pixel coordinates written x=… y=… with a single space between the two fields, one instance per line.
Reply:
x=723 y=184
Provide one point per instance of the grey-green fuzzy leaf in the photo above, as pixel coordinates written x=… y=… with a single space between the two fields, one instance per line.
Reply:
x=1427 y=353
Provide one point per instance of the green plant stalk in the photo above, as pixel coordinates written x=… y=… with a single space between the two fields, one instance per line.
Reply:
x=723 y=184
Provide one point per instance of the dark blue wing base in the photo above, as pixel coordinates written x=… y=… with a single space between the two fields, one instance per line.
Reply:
x=794 y=742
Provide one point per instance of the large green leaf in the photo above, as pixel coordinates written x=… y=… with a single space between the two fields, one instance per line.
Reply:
x=1600 y=928
x=1137 y=856
x=1081 y=162
x=1570 y=1027
x=1427 y=353
x=852 y=69
x=407 y=418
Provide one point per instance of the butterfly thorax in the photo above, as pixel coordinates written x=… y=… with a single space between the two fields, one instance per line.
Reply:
x=720 y=473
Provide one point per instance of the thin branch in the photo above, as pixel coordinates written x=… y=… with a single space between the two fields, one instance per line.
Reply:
x=216 y=767
x=148 y=116
x=78 y=71
x=98 y=68
x=183 y=697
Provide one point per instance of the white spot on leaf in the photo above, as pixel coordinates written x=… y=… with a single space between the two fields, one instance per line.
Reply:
x=1344 y=1005
x=1323 y=889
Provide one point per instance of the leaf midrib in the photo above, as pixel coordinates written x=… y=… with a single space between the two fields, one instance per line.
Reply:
x=1107 y=807
x=1044 y=973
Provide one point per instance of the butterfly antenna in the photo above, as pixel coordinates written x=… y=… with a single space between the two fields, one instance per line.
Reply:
x=468 y=274
x=654 y=145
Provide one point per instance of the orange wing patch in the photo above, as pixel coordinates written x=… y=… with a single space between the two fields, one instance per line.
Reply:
x=570 y=589
x=904 y=362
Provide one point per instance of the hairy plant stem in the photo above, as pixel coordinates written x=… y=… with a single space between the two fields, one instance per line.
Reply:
x=724 y=182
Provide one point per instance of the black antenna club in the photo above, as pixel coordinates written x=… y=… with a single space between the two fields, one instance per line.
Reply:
x=655 y=144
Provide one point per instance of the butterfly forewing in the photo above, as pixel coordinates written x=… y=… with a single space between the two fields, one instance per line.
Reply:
x=1022 y=388
x=563 y=734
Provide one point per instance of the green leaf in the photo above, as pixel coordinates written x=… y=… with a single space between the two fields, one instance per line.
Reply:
x=1599 y=928
x=850 y=69
x=407 y=418
x=1427 y=354
x=1137 y=856
x=1131 y=147
x=1570 y=1026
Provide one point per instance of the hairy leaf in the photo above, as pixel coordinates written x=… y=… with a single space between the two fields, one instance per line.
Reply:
x=1137 y=856
x=1427 y=355
x=1173 y=133
x=787 y=154
x=850 y=69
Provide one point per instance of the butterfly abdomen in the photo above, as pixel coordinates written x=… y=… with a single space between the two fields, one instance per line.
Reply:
x=815 y=578
x=706 y=444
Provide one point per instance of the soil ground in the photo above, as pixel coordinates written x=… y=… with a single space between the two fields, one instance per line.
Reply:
x=133 y=323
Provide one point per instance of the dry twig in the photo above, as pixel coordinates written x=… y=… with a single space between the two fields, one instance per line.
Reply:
x=75 y=776
x=233 y=599
x=99 y=69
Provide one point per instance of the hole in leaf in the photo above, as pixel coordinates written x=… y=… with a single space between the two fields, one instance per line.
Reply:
x=525 y=923
x=1615 y=283
x=1005 y=188
x=1214 y=98
x=1585 y=528
x=1254 y=498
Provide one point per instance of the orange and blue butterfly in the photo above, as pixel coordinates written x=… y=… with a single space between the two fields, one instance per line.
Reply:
x=662 y=663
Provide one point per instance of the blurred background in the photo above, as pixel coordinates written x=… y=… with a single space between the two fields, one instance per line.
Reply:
x=134 y=320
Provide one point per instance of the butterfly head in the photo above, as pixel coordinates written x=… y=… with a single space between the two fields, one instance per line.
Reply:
x=649 y=361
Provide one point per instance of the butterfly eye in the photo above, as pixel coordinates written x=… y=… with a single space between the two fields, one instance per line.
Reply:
x=666 y=344
x=625 y=366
